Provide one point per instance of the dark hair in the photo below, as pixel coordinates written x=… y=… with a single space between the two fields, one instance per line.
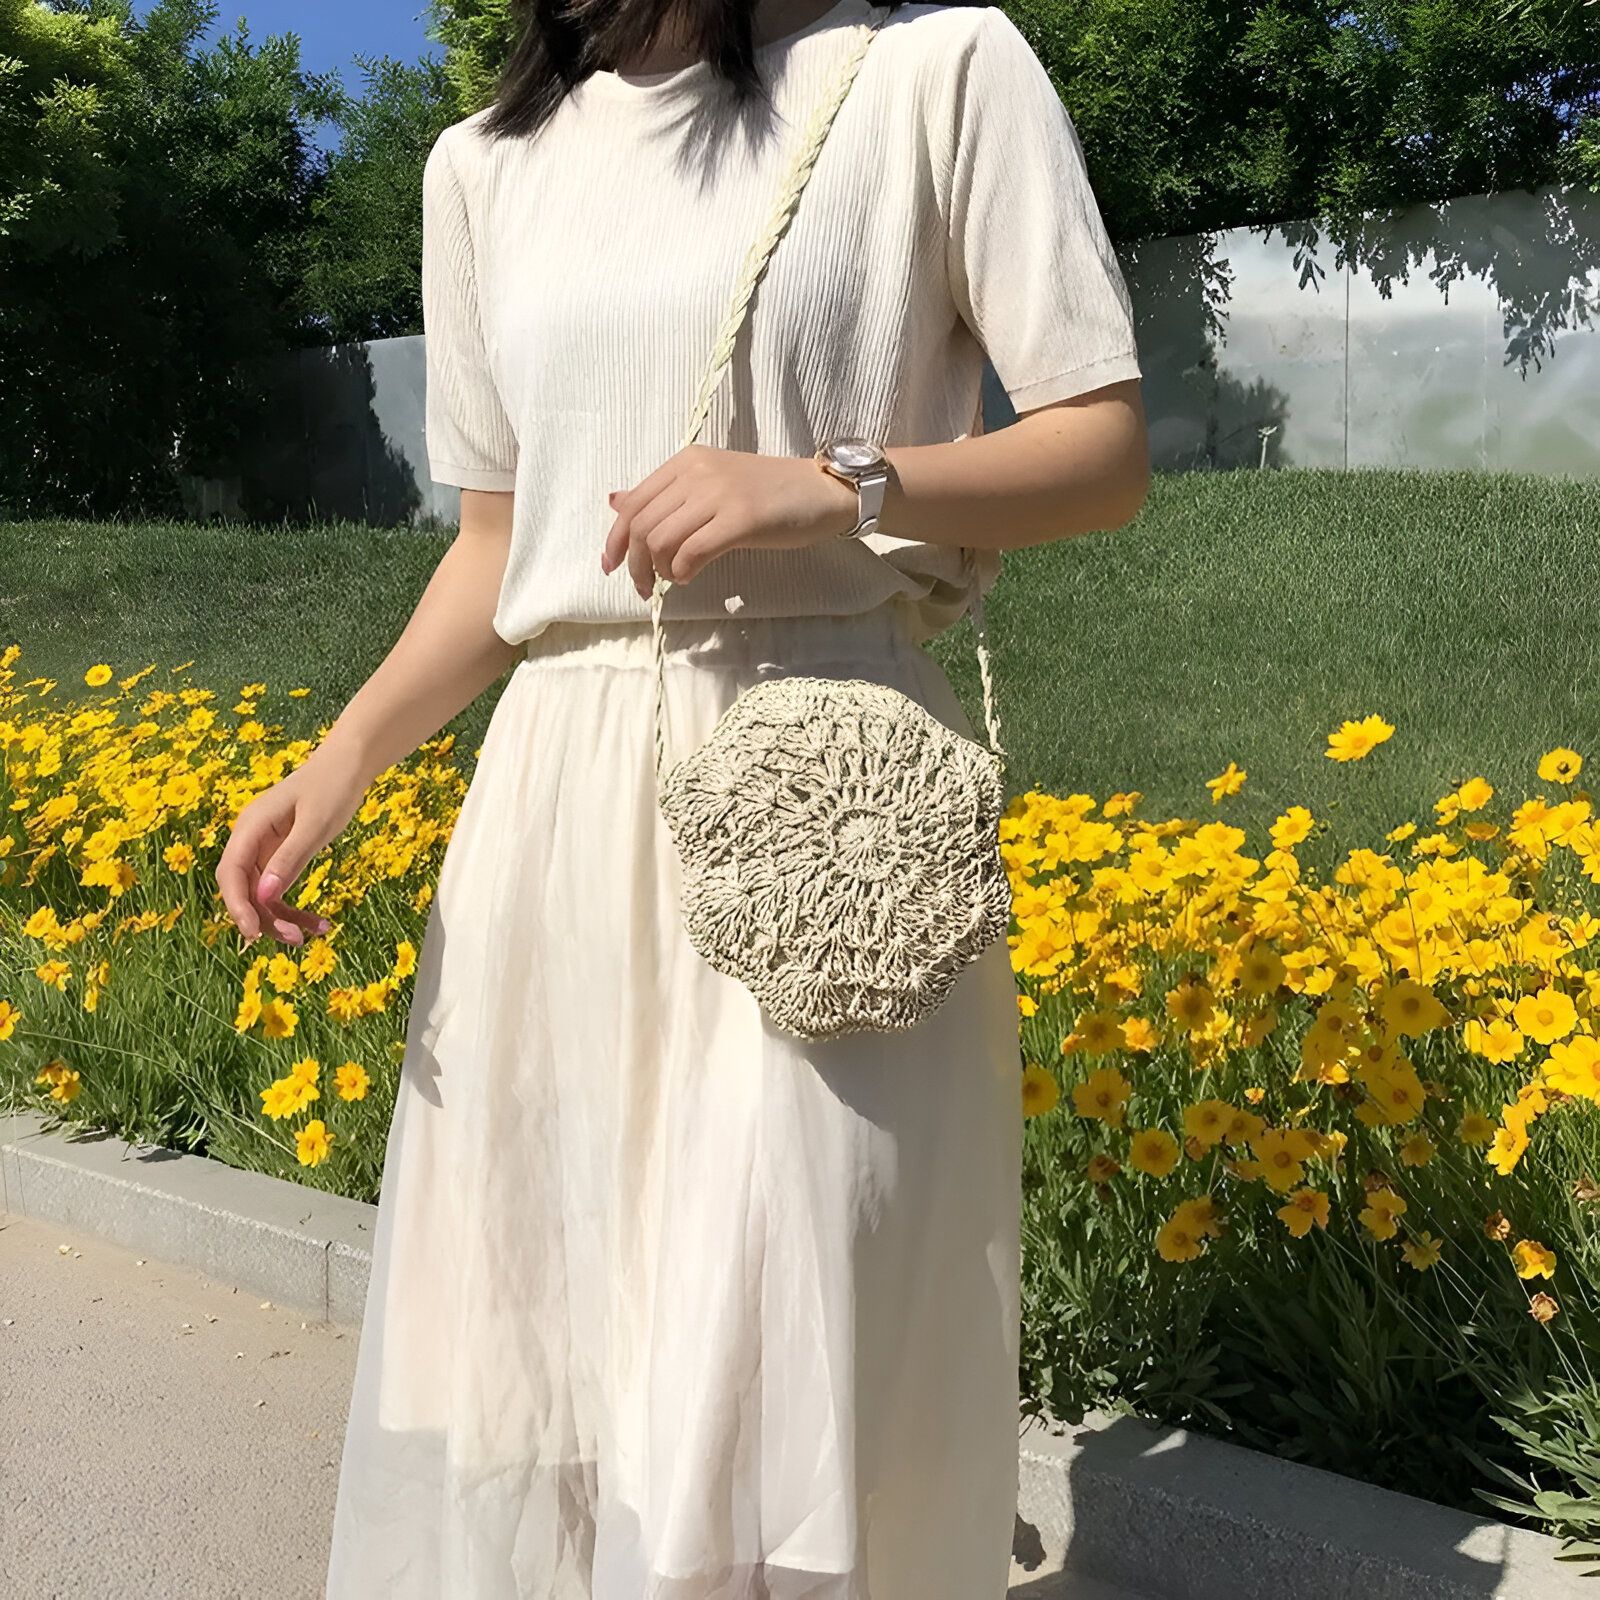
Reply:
x=560 y=42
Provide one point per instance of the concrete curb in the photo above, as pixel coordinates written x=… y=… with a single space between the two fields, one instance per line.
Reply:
x=296 y=1246
x=1162 y=1512
x=1153 y=1511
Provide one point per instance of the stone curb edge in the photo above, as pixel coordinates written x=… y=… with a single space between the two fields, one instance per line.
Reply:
x=1151 y=1510
x=298 y=1247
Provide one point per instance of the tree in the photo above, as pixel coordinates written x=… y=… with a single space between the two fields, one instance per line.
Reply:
x=151 y=243
x=363 y=271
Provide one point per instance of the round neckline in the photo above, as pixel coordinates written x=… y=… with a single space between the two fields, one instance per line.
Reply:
x=641 y=86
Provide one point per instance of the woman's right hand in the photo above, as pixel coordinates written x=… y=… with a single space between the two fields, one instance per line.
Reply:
x=273 y=838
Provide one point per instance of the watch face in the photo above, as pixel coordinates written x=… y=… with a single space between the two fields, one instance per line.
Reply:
x=854 y=454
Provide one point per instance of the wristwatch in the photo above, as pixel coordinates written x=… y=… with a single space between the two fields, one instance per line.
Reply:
x=862 y=463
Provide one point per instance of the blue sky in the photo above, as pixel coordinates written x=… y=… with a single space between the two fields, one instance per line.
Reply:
x=332 y=32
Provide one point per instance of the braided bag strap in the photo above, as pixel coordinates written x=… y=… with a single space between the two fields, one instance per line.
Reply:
x=722 y=354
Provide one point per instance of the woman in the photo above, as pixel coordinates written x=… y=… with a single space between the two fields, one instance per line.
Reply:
x=666 y=1304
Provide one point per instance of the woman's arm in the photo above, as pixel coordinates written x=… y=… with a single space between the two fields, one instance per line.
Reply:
x=1061 y=469
x=445 y=657
x=1065 y=468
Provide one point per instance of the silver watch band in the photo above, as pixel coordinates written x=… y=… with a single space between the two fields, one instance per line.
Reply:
x=860 y=462
x=870 y=487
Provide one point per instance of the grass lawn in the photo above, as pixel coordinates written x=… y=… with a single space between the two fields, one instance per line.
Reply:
x=1241 y=617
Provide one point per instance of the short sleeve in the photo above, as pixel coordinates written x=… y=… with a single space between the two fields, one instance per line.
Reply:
x=470 y=440
x=1030 y=266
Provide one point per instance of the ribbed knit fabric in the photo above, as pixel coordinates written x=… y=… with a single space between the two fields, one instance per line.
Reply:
x=573 y=283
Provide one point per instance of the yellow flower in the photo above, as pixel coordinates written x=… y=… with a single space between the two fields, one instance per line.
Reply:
x=1190 y=1004
x=1475 y=1128
x=1040 y=1091
x=1243 y=1126
x=1027 y=1005
x=1417 y=1151
x=318 y=961
x=1139 y=1034
x=1532 y=1260
x=1574 y=1067
x=1560 y=765
x=1304 y=1209
x=1153 y=1151
x=1378 y=1215
x=53 y=974
x=1546 y=1016
x=1543 y=1308
x=351 y=1081
x=1099 y=1033
x=280 y=1099
x=10 y=1016
x=405 y=959
x=97 y=675
x=1201 y=1216
x=282 y=973
x=179 y=857
x=312 y=1144
x=1353 y=740
x=1507 y=1149
x=1474 y=794
x=1495 y=1041
x=1208 y=1122
x=1292 y=827
x=1229 y=781
x=1422 y=1252
x=1397 y=1094
x=1261 y=971
x=1176 y=1242
x=1411 y=1009
x=1281 y=1152
x=278 y=1019
x=64 y=1081
x=1103 y=1096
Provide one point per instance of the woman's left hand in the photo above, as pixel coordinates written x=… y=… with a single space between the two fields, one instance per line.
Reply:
x=704 y=501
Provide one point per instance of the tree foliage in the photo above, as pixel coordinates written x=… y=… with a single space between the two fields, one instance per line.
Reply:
x=362 y=272
x=1204 y=114
x=167 y=215
x=153 y=218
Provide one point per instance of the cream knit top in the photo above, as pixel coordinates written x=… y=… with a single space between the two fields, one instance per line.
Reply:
x=573 y=284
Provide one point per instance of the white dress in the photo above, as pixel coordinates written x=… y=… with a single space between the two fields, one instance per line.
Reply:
x=666 y=1304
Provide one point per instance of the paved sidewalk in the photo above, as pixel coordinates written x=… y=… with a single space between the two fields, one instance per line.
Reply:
x=161 y=1434
x=164 y=1435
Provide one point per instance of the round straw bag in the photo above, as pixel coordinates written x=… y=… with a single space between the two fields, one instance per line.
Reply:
x=839 y=843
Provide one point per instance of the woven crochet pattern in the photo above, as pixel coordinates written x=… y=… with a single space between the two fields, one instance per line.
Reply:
x=839 y=843
x=839 y=852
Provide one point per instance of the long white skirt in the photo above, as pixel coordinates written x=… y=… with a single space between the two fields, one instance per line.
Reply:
x=666 y=1304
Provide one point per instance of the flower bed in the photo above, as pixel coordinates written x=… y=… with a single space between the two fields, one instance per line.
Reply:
x=1311 y=1158
x=1312 y=1163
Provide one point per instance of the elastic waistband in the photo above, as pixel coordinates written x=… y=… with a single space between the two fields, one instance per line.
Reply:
x=786 y=641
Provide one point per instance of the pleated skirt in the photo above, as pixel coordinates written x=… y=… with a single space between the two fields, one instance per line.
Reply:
x=666 y=1304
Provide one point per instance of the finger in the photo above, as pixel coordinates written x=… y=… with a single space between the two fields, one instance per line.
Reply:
x=292 y=923
x=236 y=878
x=702 y=547
x=660 y=543
x=629 y=502
x=282 y=868
x=616 y=540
